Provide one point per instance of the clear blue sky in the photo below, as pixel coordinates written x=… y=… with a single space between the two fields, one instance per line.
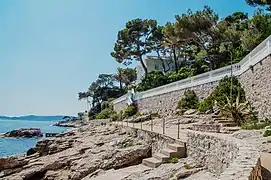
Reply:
x=52 y=49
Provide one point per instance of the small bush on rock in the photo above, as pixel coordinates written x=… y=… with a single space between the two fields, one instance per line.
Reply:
x=254 y=124
x=173 y=160
x=105 y=114
x=130 y=110
x=267 y=133
x=189 y=101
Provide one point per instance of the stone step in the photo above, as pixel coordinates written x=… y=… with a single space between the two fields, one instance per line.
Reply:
x=176 y=147
x=217 y=116
x=224 y=121
x=171 y=153
x=161 y=157
x=229 y=130
x=229 y=124
x=152 y=162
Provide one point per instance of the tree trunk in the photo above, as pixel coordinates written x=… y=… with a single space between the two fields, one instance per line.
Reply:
x=143 y=65
x=162 y=61
x=175 y=60
x=120 y=84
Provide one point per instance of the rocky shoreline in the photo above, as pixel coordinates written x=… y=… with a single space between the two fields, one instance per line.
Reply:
x=77 y=156
x=69 y=123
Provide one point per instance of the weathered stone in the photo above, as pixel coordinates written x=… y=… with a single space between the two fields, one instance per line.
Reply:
x=24 y=133
x=190 y=111
x=11 y=162
x=31 y=151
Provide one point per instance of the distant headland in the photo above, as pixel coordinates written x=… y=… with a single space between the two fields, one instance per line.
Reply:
x=34 y=117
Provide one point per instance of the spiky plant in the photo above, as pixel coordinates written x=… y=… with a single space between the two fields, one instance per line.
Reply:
x=240 y=112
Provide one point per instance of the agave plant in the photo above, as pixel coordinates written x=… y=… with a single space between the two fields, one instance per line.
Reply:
x=240 y=112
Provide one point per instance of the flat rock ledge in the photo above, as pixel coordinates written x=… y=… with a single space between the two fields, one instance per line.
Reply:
x=75 y=157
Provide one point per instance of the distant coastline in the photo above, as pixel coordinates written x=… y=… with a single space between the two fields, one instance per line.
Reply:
x=33 y=117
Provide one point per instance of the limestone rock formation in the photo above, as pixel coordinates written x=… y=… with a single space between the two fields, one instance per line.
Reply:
x=75 y=157
x=24 y=133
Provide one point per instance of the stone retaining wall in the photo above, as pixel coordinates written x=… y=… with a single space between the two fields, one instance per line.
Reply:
x=158 y=141
x=257 y=85
x=225 y=156
x=214 y=153
x=166 y=104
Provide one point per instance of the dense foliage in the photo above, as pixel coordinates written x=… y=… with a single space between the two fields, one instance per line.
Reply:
x=264 y=3
x=130 y=110
x=221 y=92
x=188 y=101
x=194 y=43
x=105 y=114
x=100 y=93
x=152 y=80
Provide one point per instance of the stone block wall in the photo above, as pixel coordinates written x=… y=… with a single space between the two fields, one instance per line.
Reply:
x=120 y=106
x=226 y=157
x=257 y=85
x=166 y=104
x=158 y=141
x=209 y=151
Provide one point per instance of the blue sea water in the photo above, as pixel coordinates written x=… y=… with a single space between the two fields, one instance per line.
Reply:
x=12 y=146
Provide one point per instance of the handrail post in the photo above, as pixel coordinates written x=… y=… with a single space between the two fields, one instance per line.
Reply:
x=151 y=124
x=178 y=137
x=163 y=125
x=127 y=122
x=141 y=124
x=133 y=124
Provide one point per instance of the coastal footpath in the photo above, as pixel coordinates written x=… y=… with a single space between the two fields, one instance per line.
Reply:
x=113 y=151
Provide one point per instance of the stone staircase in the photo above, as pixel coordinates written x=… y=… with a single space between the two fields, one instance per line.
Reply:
x=227 y=125
x=218 y=124
x=173 y=150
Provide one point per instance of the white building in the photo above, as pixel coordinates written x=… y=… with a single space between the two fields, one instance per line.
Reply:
x=154 y=63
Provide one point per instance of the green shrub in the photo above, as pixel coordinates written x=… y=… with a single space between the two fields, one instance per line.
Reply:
x=187 y=166
x=267 y=133
x=115 y=117
x=105 y=114
x=173 y=160
x=240 y=112
x=152 y=80
x=206 y=105
x=104 y=105
x=129 y=111
x=222 y=91
x=189 y=101
x=254 y=124
x=138 y=114
x=183 y=73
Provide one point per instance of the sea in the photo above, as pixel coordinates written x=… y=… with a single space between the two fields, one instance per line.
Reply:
x=14 y=146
